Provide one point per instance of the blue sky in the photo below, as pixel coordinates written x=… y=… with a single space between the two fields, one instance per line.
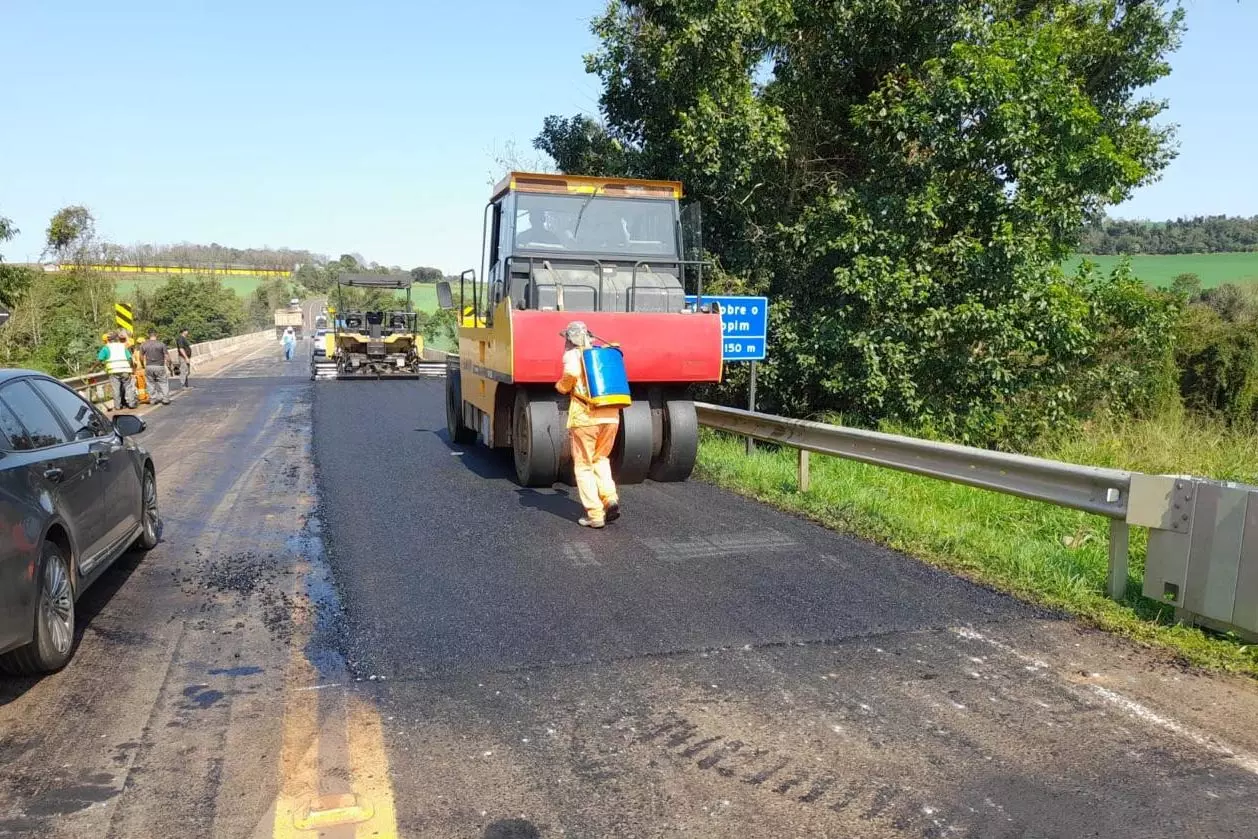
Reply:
x=373 y=126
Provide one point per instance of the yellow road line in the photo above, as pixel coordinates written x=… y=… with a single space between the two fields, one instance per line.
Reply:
x=300 y=811
x=299 y=752
x=370 y=767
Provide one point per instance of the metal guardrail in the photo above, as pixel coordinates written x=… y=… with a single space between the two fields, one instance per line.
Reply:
x=1203 y=534
x=1088 y=488
x=95 y=386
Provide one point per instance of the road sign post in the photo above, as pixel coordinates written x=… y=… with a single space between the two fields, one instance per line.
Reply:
x=751 y=403
x=745 y=327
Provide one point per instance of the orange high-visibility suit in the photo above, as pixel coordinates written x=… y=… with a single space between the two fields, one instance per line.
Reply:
x=592 y=433
x=141 y=380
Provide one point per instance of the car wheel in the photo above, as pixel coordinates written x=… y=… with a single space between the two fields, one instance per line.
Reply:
x=150 y=517
x=53 y=643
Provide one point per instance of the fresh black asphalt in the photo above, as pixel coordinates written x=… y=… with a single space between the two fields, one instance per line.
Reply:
x=706 y=666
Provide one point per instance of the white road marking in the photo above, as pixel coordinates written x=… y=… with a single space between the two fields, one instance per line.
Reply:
x=1131 y=706
x=717 y=545
x=1141 y=712
x=972 y=635
x=579 y=554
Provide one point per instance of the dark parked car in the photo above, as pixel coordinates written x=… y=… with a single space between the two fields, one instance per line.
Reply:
x=75 y=494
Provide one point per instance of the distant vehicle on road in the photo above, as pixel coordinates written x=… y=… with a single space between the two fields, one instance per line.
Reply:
x=285 y=318
x=75 y=494
x=320 y=345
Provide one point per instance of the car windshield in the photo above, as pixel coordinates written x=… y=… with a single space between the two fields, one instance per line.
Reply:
x=595 y=225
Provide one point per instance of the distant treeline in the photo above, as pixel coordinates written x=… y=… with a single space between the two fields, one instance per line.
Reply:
x=214 y=255
x=1201 y=234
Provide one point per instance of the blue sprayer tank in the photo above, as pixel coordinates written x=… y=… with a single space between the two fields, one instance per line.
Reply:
x=605 y=375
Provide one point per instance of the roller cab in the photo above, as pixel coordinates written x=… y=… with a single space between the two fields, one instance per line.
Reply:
x=608 y=252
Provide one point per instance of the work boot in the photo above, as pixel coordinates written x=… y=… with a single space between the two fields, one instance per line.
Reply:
x=594 y=523
x=612 y=511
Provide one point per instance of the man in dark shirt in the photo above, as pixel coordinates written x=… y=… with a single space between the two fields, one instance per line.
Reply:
x=184 y=347
x=153 y=353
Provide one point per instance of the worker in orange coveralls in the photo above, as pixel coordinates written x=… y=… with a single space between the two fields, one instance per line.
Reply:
x=592 y=432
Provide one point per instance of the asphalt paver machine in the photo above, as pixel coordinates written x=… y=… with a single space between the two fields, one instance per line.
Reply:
x=370 y=342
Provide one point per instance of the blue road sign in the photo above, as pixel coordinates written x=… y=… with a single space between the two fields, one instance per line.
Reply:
x=745 y=321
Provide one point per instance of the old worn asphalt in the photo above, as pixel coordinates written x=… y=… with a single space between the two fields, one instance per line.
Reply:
x=350 y=619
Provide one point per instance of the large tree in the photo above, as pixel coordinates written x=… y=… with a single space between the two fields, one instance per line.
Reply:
x=14 y=279
x=905 y=179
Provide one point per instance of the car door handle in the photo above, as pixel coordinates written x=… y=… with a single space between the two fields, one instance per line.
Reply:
x=53 y=475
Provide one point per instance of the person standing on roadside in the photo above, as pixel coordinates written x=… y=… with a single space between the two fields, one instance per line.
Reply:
x=117 y=360
x=153 y=353
x=290 y=343
x=184 y=346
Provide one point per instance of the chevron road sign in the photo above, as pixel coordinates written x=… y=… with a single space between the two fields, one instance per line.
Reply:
x=124 y=317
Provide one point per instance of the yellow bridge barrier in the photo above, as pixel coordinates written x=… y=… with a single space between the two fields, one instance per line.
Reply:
x=184 y=269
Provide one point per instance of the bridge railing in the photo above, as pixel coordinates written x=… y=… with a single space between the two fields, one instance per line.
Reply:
x=1203 y=534
x=95 y=386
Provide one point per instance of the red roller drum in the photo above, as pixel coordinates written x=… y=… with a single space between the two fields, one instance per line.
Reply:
x=677 y=348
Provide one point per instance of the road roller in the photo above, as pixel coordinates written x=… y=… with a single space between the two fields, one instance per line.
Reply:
x=606 y=251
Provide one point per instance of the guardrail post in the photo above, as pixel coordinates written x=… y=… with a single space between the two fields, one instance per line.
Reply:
x=1118 y=538
x=805 y=480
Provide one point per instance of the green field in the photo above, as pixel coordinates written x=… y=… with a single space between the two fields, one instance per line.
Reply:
x=424 y=297
x=243 y=285
x=1214 y=269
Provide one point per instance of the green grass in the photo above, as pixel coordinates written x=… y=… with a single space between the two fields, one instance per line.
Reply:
x=1214 y=269
x=1040 y=553
x=243 y=285
x=424 y=297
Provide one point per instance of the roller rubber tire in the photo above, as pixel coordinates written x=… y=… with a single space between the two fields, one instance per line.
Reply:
x=680 y=446
x=459 y=433
x=631 y=458
x=537 y=433
x=50 y=647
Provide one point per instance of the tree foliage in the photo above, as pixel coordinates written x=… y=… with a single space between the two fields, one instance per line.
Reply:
x=213 y=255
x=1217 y=352
x=71 y=234
x=57 y=317
x=427 y=275
x=199 y=304
x=1200 y=234
x=14 y=279
x=904 y=179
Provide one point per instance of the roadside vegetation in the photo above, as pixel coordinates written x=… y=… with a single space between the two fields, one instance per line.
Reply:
x=58 y=317
x=1198 y=235
x=910 y=185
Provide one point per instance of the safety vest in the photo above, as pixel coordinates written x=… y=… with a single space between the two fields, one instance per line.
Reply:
x=117 y=362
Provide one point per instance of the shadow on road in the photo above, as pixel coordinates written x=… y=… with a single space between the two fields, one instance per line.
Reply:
x=481 y=461
x=557 y=502
x=85 y=610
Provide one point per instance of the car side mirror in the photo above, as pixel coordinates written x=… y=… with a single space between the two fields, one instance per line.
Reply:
x=129 y=425
x=445 y=297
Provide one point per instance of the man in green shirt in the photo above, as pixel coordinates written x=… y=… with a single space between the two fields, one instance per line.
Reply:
x=117 y=360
